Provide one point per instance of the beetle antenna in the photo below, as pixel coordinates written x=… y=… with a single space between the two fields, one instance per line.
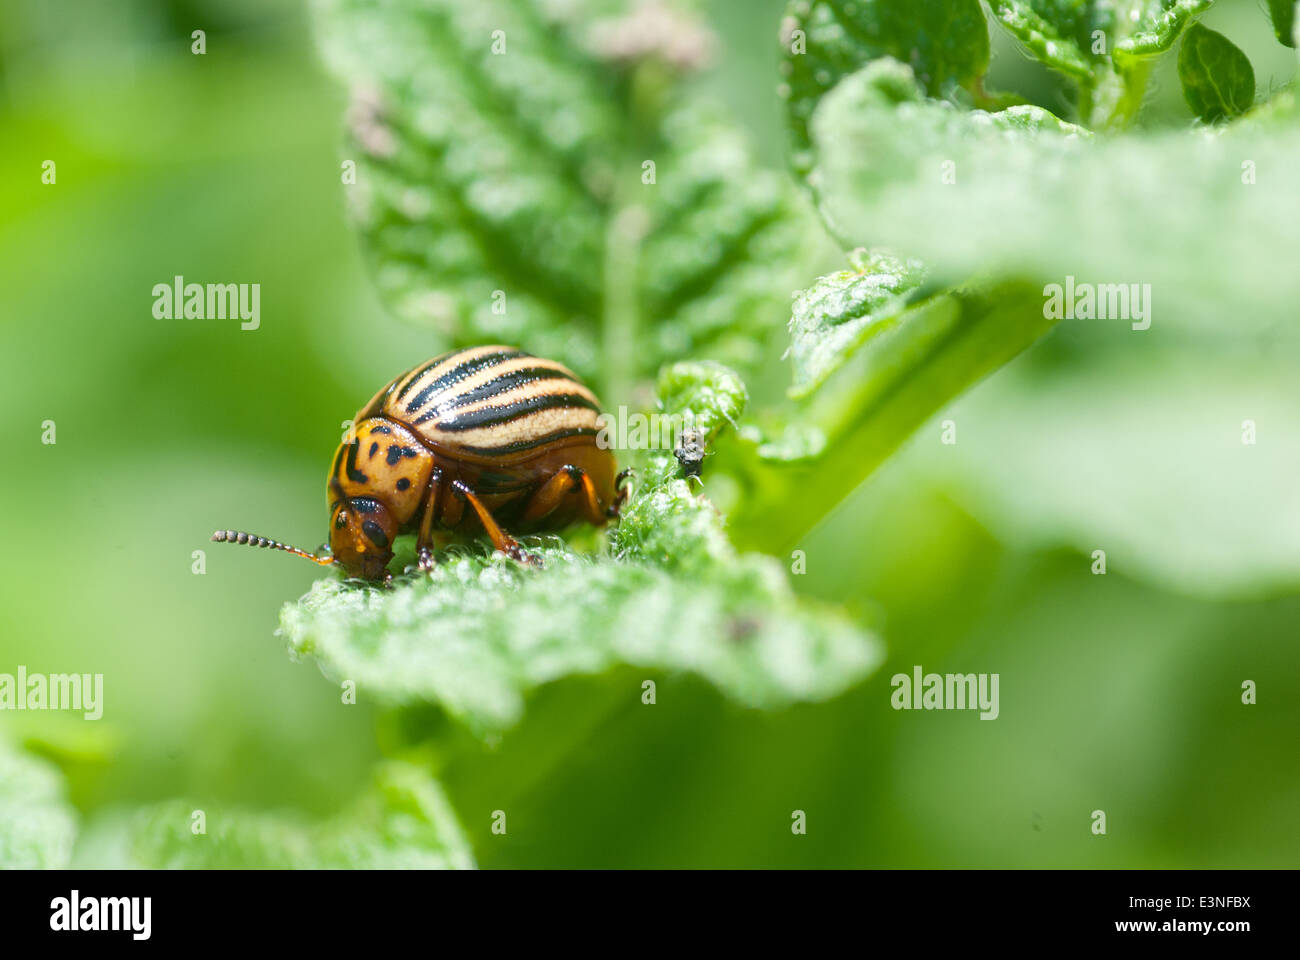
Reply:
x=234 y=536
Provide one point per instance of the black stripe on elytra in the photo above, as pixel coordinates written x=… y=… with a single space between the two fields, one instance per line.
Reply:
x=520 y=445
x=495 y=387
x=416 y=375
x=494 y=416
x=458 y=373
x=355 y=475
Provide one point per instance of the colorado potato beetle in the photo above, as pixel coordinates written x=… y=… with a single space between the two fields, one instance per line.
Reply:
x=469 y=441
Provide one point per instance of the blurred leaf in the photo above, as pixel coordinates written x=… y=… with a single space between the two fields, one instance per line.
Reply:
x=1035 y=197
x=1218 y=82
x=37 y=825
x=1282 y=13
x=1145 y=459
x=672 y=594
x=528 y=173
x=945 y=41
x=834 y=316
x=404 y=821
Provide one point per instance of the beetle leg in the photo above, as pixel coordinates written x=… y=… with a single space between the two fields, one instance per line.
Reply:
x=500 y=539
x=548 y=497
x=424 y=542
x=622 y=490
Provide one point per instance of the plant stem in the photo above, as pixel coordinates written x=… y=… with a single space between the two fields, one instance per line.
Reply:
x=621 y=308
x=946 y=346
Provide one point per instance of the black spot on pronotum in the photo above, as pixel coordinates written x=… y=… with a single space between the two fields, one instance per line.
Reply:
x=381 y=429
x=374 y=448
x=375 y=532
x=355 y=475
x=394 y=454
x=404 y=483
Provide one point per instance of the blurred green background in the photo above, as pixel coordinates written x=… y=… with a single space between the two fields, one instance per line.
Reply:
x=1119 y=693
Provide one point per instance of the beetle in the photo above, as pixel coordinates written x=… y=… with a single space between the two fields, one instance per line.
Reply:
x=473 y=440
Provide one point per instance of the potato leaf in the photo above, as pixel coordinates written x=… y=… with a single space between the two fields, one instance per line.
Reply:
x=1062 y=33
x=945 y=41
x=404 y=821
x=1282 y=13
x=1034 y=197
x=1218 y=81
x=1137 y=458
x=37 y=825
x=1157 y=25
x=526 y=172
x=834 y=316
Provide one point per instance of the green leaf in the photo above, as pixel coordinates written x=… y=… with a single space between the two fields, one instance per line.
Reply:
x=510 y=196
x=404 y=821
x=1040 y=199
x=1282 y=13
x=481 y=633
x=1145 y=29
x=1060 y=33
x=672 y=594
x=709 y=395
x=1158 y=24
x=834 y=316
x=945 y=41
x=37 y=825
x=1218 y=81
x=946 y=44
x=1144 y=457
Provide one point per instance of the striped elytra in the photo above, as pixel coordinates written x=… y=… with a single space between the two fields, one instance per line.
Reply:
x=489 y=402
x=473 y=440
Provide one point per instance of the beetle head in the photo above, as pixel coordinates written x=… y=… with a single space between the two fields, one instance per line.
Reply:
x=361 y=537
